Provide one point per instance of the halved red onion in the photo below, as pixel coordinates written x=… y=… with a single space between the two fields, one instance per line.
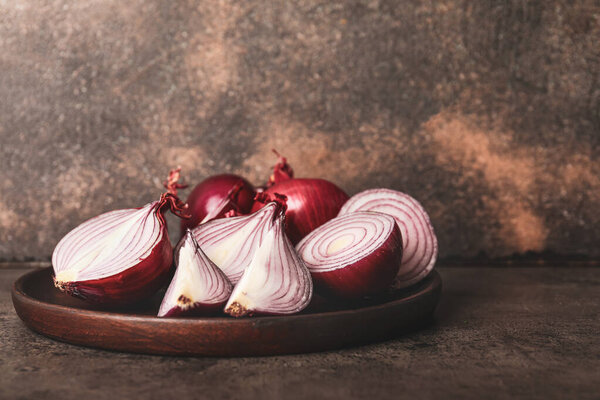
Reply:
x=118 y=257
x=215 y=196
x=198 y=287
x=275 y=282
x=231 y=242
x=419 y=241
x=310 y=203
x=353 y=255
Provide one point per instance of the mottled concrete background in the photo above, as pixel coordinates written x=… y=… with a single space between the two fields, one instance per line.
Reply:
x=486 y=111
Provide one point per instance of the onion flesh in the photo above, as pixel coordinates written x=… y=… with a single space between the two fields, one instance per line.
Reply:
x=419 y=241
x=310 y=203
x=230 y=243
x=216 y=196
x=353 y=255
x=198 y=287
x=275 y=282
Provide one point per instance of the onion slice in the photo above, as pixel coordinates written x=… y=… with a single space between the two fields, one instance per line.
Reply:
x=276 y=281
x=198 y=287
x=353 y=255
x=419 y=241
x=230 y=243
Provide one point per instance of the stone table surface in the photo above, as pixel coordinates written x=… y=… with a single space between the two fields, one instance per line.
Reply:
x=498 y=333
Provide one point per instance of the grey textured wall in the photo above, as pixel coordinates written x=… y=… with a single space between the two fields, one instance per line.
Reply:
x=486 y=111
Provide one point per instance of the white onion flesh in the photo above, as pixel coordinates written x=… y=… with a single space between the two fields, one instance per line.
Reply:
x=197 y=282
x=345 y=240
x=230 y=243
x=419 y=241
x=107 y=244
x=276 y=281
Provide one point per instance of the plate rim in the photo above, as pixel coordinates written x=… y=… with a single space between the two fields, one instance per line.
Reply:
x=17 y=288
x=25 y=304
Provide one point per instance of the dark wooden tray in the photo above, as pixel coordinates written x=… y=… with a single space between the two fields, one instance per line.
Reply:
x=325 y=325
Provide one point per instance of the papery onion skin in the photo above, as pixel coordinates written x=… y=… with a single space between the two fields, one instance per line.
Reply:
x=418 y=261
x=210 y=193
x=371 y=274
x=130 y=286
x=282 y=171
x=310 y=203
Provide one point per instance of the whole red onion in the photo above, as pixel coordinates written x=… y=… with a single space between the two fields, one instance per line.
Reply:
x=216 y=196
x=310 y=203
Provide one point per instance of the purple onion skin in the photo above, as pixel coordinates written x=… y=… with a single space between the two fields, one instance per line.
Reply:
x=132 y=285
x=371 y=275
x=212 y=191
x=310 y=203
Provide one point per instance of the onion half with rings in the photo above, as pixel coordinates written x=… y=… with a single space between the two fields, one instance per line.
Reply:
x=353 y=255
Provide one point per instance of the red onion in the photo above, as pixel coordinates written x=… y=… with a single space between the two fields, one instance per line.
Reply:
x=419 y=240
x=217 y=195
x=275 y=282
x=198 y=287
x=231 y=242
x=353 y=255
x=118 y=257
x=310 y=203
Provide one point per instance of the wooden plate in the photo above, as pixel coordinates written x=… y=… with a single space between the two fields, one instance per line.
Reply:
x=324 y=326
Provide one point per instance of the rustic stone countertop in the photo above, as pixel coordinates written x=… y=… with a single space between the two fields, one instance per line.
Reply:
x=498 y=333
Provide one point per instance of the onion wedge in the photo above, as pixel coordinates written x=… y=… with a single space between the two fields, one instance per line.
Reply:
x=276 y=281
x=230 y=243
x=198 y=287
